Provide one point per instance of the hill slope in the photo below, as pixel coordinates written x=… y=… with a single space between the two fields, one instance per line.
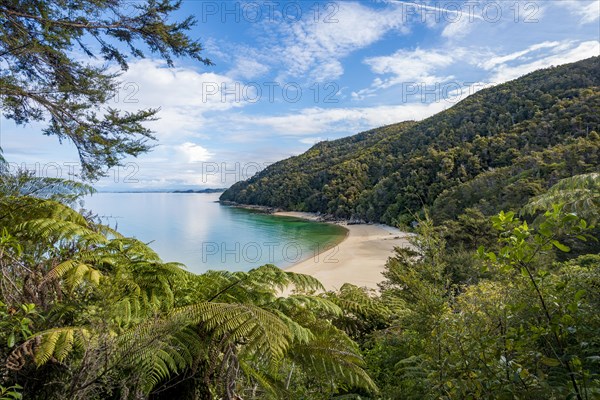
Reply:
x=492 y=150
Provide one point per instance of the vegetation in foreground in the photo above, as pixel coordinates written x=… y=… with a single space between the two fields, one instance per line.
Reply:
x=500 y=307
x=516 y=319
x=90 y=314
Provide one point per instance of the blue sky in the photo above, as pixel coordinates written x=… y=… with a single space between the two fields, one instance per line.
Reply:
x=289 y=74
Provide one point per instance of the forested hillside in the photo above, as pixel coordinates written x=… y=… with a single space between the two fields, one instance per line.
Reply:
x=88 y=314
x=494 y=150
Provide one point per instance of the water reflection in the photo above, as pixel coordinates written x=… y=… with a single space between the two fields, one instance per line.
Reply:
x=194 y=229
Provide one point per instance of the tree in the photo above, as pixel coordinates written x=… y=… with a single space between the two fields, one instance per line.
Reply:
x=86 y=313
x=490 y=152
x=527 y=328
x=522 y=250
x=579 y=194
x=43 y=78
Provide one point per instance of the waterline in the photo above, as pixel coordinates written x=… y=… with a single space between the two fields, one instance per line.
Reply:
x=194 y=229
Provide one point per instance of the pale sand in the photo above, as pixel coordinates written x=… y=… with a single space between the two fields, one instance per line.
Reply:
x=359 y=259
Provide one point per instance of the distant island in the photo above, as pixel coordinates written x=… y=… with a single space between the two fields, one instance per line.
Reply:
x=219 y=190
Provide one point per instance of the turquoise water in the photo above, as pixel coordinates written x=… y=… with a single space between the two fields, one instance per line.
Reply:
x=192 y=228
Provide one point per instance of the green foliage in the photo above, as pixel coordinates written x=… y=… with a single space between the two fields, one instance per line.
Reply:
x=527 y=328
x=43 y=81
x=361 y=312
x=520 y=248
x=10 y=393
x=89 y=314
x=578 y=194
x=418 y=291
x=512 y=186
x=16 y=323
x=492 y=151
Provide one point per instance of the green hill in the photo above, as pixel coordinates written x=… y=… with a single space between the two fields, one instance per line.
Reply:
x=491 y=151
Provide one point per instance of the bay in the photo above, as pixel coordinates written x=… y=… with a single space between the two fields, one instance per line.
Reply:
x=194 y=229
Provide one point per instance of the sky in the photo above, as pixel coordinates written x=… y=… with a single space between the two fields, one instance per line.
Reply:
x=289 y=74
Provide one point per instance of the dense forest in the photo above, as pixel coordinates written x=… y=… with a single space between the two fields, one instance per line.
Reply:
x=491 y=151
x=86 y=313
x=485 y=303
x=484 y=308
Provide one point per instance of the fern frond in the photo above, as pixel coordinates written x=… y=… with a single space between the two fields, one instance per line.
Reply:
x=58 y=343
x=75 y=272
x=108 y=231
x=269 y=384
x=259 y=285
x=299 y=333
x=133 y=249
x=356 y=300
x=579 y=194
x=158 y=348
x=64 y=345
x=334 y=355
x=53 y=230
x=319 y=305
x=261 y=331
x=274 y=277
x=25 y=183
x=304 y=283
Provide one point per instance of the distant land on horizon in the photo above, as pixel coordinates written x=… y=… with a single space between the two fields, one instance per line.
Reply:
x=207 y=190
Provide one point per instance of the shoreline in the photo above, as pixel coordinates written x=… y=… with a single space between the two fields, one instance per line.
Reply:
x=358 y=259
x=317 y=217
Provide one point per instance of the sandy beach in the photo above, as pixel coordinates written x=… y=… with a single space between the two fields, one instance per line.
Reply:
x=359 y=259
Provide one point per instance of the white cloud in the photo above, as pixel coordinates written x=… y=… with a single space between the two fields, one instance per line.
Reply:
x=458 y=17
x=587 y=11
x=311 y=140
x=184 y=96
x=193 y=153
x=412 y=65
x=409 y=67
x=563 y=53
x=429 y=68
x=247 y=67
x=494 y=61
x=313 y=47
x=457 y=29
x=316 y=120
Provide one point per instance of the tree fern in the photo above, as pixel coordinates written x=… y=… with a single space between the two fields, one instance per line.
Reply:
x=356 y=300
x=23 y=183
x=324 y=306
x=270 y=386
x=115 y=309
x=57 y=343
x=261 y=331
x=76 y=271
x=335 y=356
x=261 y=284
x=578 y=194
x=55 y=230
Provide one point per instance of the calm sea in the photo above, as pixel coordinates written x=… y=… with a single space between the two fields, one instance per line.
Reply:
x=194 y=229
